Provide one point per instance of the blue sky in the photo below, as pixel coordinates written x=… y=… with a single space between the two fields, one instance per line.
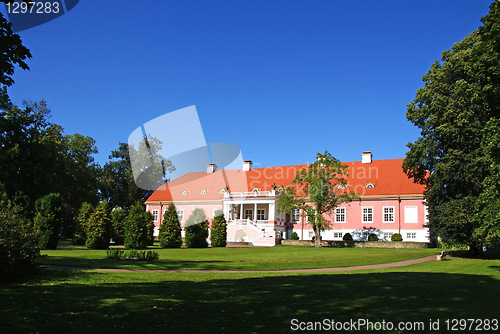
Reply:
x=283 y=80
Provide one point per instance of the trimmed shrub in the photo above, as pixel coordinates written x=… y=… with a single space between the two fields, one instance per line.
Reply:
x=396 y=237
x=81 y=221
x=118 y=216
x=294 y=236
x=347 y=237
x=99 y=228
x=132 y=254
x=150 y=225
x=218 y=232
x=48 y=220
x=373 y=237
x=170 y=229
x=19 y=244
x=196 y=230
x=136 y=228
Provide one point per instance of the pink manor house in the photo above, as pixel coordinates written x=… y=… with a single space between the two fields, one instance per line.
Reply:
x=389 y=203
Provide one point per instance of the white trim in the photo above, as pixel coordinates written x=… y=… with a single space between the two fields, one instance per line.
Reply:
x=180 y=215
x=392 y=213
x=155 y=214
x=411 y=214
x=343 y=214
x=363 y=214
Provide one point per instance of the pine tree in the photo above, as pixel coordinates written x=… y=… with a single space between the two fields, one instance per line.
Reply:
x=81 y=221
x=170 y=229
x=218 y=232
x=118 y=216
x=196 y=230
x=136 y=228
x=99 y=228
x=48 y=220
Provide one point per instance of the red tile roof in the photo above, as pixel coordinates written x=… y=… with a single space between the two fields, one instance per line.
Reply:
x=387 y=177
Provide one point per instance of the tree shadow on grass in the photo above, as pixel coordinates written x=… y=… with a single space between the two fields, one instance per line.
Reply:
x=64 y=301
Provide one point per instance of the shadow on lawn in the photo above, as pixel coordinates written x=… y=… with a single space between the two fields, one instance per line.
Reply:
x=261 y=305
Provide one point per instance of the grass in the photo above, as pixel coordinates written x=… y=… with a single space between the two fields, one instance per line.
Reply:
x=257 y=258
x=131 y=302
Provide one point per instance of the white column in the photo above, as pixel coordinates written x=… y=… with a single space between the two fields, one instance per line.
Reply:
x=241 y=211
x=255 y=212
x=272 y=212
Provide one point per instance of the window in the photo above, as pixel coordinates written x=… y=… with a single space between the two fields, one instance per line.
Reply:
x=155 y=215
x=248 y=214
x=222 y=191
x=388 y=214
x=388 y=235
x=340 y=215
x=311 y=234
x=340 y=186
x=411 y=235
x=337 y=235
x=261 y=214
x=411 y=214
x=367 y=215
x=296 y=215
x=180 y=215
x=203 y=192
x=184 y=192
x=370 y=185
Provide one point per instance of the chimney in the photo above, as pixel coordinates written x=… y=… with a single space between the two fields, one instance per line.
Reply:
x=366 y=157
x=247 y=165
x=211 y=168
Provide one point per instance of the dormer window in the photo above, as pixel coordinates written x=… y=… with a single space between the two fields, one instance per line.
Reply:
x=370 y=185
x=255 y=190
x=203 y=192
x=340 y=186
x=222 y=191
x=185 y=192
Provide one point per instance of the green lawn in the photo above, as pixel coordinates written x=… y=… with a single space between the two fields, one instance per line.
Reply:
x=252 y=258
x=60 y=301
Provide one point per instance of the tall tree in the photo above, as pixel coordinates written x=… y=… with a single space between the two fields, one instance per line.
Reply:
x=137 y=228
x=459 y=98
x=99 y=228
x=316 y=193
x=170 y=229
x=118 y=216
x=81 y=222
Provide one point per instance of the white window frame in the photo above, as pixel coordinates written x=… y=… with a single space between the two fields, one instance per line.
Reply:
x=246 y=215
x=407 y=215
x=388 y=235
x=340 y=213
x=338 y=235
x=263 y=214
x=155 y=214
x=368 y=214
x=296 y=215
x=180 y=215
x=411 y=235
x=390 y=214
x=311 y=234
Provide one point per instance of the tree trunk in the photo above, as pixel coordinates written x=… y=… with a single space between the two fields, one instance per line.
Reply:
x=317 y=237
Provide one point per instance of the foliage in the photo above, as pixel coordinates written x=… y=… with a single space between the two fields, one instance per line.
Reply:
x=137 y=228
x=218 y=231
x=347 y=237
x=117 y=178
x=196 y=230
x=48 y=220
x=81 y=222
x=13 y=53
x=99 y=228
x=294 y=236
x=132 y=254
x=315 y=191
x=118 y=216
x=170 y=229
x=460 y=97
x=396 y=237
x=38 y=159
x=19 y=244
x=373 y=237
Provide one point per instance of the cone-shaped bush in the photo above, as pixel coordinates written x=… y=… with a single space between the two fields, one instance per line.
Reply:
x=81 y=221
x=218 y=232
x=170 y=229
x=196 y=230
x=118 y=216
x=48 y=220
x=136 y=228
x=99 y=228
